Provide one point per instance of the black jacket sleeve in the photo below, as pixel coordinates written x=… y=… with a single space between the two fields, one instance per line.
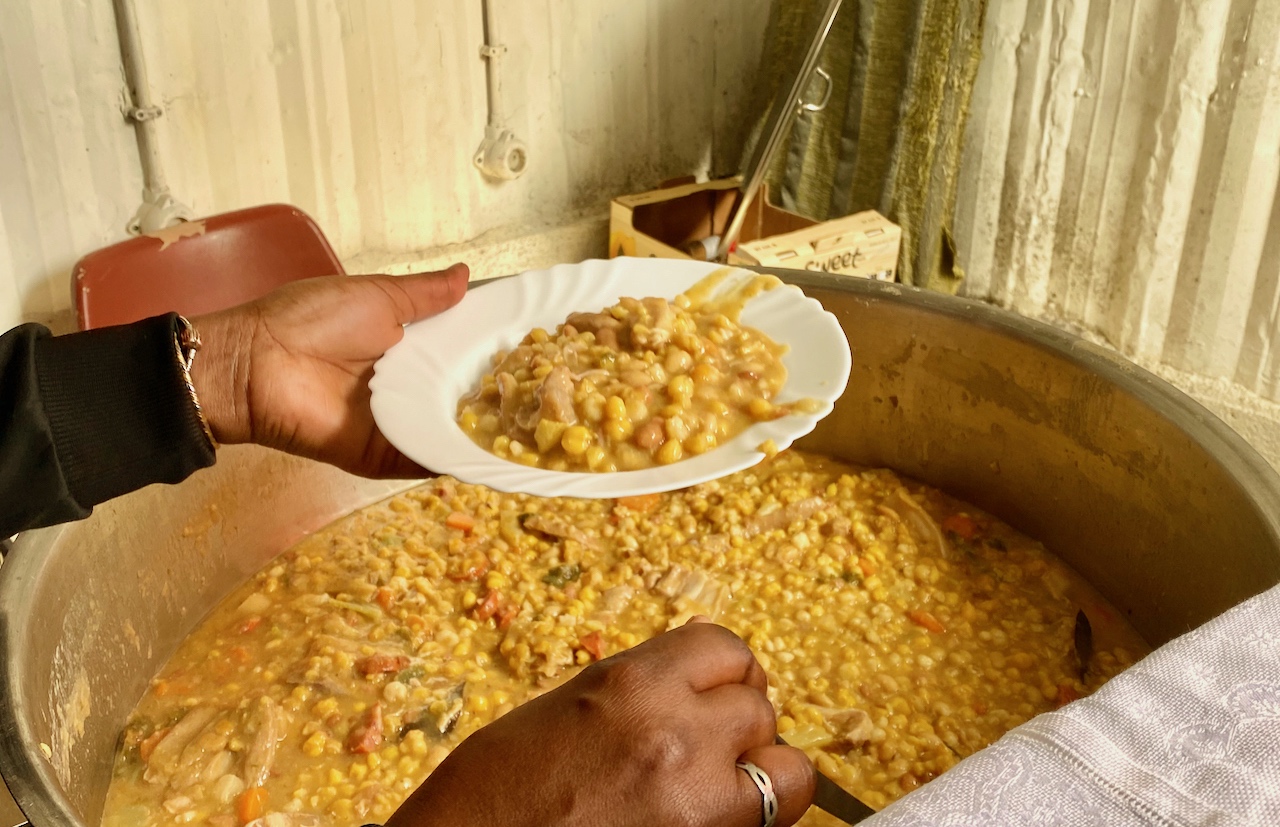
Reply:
x=90 y=416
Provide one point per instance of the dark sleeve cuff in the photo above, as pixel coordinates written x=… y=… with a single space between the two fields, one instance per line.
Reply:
x=119 y=410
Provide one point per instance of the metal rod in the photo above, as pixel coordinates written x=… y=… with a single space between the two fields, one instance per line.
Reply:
x=142 y=111
x=785 y=108
x=492 y=52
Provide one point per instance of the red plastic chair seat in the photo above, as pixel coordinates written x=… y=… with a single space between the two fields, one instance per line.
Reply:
x=201 y=266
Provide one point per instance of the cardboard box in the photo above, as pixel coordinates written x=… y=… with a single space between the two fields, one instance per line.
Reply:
x=665 y=223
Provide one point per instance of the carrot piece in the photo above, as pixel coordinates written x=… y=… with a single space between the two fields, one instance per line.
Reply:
x=641 y=504
x=366 y=736
x=250 y=804
x=175 y=685
x=148 y=745
x=506 y=615
x=867 y=567
x=475 y=566
x=489 y=606
x=1066 y=694
x=383 y=598
x=926 y=621
x=381 y=664
x=250 y=624
x=460 y=521
x=962 y=525
x=594 y=645
x=239 y=654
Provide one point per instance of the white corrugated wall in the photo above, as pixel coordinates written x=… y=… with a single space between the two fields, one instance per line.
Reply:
x=363 y=112
x=1120 y=175
x=1120 y=169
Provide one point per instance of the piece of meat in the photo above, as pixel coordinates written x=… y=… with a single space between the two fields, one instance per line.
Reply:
x=509 y=410
x=852 y=727
x=556 y=527
x=714 y=543
x=654 y=325
x=200 y=760
x=164 y=758
x=692 y=592
x=366 y=799
x=268 y=722
x=924 y=530
x=614 y=600
x=381 y=664
x=521 y=356
x=217 y=766
x=287 y=820
x=617 y=598
x=594 y=323
x=555 y=396
x=783 y=517
x=662 y=315
x=366 y=736
x=531 y=654
x=454 y=702
x=838 y=526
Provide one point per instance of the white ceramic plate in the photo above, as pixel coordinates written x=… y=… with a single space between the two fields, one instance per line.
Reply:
x=417 y=384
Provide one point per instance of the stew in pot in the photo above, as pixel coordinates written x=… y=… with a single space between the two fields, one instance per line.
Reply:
x=901 y=630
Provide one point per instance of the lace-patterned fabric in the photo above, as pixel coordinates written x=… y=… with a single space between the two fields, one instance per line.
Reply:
x=1188 y=736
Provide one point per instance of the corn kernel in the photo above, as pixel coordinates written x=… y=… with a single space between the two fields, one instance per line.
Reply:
x=313 y=747
x=576 y=440
x=700 y=443
x=615 y=408
x=704 y=374
x=680 y=388
x=619 y=430
x=548 y=434
x=671 y=451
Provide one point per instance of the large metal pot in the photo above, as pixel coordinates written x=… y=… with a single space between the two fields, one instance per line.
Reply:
x=1148 y=495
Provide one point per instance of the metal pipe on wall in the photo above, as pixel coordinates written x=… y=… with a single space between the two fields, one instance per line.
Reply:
x=159 y=209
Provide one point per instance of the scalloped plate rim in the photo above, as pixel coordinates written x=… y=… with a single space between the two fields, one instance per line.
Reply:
x=416 y=384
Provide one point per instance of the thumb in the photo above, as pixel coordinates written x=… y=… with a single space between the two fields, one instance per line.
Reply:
x=421 y=295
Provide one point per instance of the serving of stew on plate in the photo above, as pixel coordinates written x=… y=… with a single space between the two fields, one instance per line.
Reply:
x=641 y=383
x=901 y=630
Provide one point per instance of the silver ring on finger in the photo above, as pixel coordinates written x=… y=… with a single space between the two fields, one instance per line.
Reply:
x=762 y=781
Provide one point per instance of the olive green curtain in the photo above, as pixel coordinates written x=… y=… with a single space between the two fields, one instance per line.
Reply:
x=890 y=137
